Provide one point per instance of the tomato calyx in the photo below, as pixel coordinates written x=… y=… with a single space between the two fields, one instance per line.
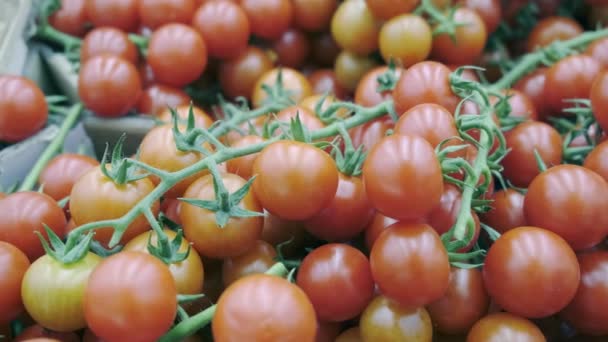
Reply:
x=168 y=250
x=442 y=23
x=582 y=123
x=349 y=162
x=190 y=138
x=121 y=170
x=67 y=253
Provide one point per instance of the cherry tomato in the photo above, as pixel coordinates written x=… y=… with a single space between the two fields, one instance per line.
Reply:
x=121 y=14
x=292 y=48
x=127 y=292
x=60 y=174
x=405 y=27
x=521 y=277
x=14 y=264
x=53 y=292
x=70 y=18
x=489 y=11
x=23 y=108
x=383 y=320
x=286 y=311
x=430 y=121
x=504 y=326
x=313 y=15
x=23 y=213
x=96 y=197
x=293 y=81
x=424 y=269
x=507 y=211
x=370 y=133
x=36 y=331
x=533 y=85
x=309 y=120
x=599 y=99
x=294 y=180
x=324 y=81
x=260 y=13
x=354 y=27
x=109 y=85
x=464 y=303
x=425 y=82
x=325 y=101
x=551 y=29
x=375 y=228
x=576 y=209
x=324 y=50
x=468 y=42
x=599 y=50
x=587 y=311
x=239 y=75
x=402 y=177
x=177 y=54
x=258 y=259
x=155 y=13
x=243 y=166
x=108 y=40
x=597 y=160
x=350 y=68
x=200 y=227
x=387 y=9
x=201 y=118
x=157 y=98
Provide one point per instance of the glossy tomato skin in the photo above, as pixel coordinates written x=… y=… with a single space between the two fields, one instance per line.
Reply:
x=258 y=259
x=350 y=68
x=201 y=118
x=533 y=85
x=468 y=43
x=177 y=54
x=287 y=313
x=377 y=225
x=95 y=197
x=324 y=81
x=551 y=29
x=587 y=311
x=200 y=226
x=109 y=85
x=370 y=133
x=367 y=94
x=23 y=213
x=520 y=166
x=387 y=9
x=156 y=98
x=189 y=274
x=53 y=292
x=402 y=177
x=307 y=117
x=464 y=303
x=313 y=15
x=238 y=75
x=60 y=174
x=346 y=215
x=294 y=180
x=155 y=13
x=515 y=257
x=130 y=292
x=425 y=82
x=504 y=326
x=507 y=211
x=597 y=160
x=325 y=101
x=490 y=12
x=121 y=14
x=292 y=48
x=354 y=27
x=344 y=270
x=521 y=105
x=14 y=264
x=428 y=120
x=424 y=269
x=576 y=210
x=243 y=166
x=259 y=11
x=598 y=49
x=110 y=40
x=23 y=108
x=293 y=81
x=70 y=18
x=382 y=321
x=412 y=28
x=599 y=99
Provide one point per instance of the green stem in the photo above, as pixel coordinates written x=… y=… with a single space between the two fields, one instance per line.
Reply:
x=193 y=324
x=49 y=34
x=53 y=148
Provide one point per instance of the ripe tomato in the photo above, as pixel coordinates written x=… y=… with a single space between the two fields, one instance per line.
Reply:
x=370 y=133
x=109 y=85
x=312 y=101
x=53 y=292
x=324 y=49
x=521 y=277
x=350 y=68
x=533 y=85
x=520 y=103
x=155 y=13
x=59 y=175
x=23 y=213
x=520 y=166
x=156 y=98
x=387 y=9
x=577 y=209
x=464 y=303
x=375 y=228
x=108 y=40
x=354 y=27
x=95 y=197
x=468 y=42
x=121 y=14
x=224 y=27
x=570 y=78
x=425 y=82
x=258 y=259
x=403 y=177
x=201 y=118
x=239 y=75
x=551 y=29
x=177 y=54
x=599 y=99
x=130 y=292
x=23 y=109
x=430 y=121
x=200 y=226
x=507 y=211
x=383 y=320
x=293 y=81
x=324 y=81
x=70 y=18
x=13 y=265
x=243 y=166
x=313 y=15
x=587 y=311
x=259 y=12
x=367 y=94
x=405 y=27
x=171 y=208
x=490 y=12
x=309 y=120
x=597 y=160
x=294 y=180
x=501 y=325
x=424 y=268
x=36 y=331
x=292 y=48
x=346 y=271
x=599 y=51
x=286 y=311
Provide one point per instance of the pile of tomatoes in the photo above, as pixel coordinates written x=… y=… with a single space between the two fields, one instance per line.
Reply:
x=319 y=170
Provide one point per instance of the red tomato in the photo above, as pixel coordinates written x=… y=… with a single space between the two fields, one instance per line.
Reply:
x=424 y=268
x=383 y=320
x=121 y=14
x=14 y=263
x=577 y=209
x=23 y=108
x=354 y=27
x=501 y=325
x=324 y=81
x=533 y=85
x=367 y=94
x=258 y=259
x=177 y=54
x=292 y=48
x=375 y=228
x=155 y=13
x=521 y=104
x=552 y=29
x=157 y=98
x=507 y=211
x=308 y=118
x=259 y=12
x=522 y=278
x=599 y=50
x=430 y=121
x=313 y=15
x=490 y=12
x=405 y=27
x=294 y=180
x=108 y=40
x=201 y=118
x=286 y=311
x=599 y=99
x=467 y=43
x=293 y=81
x=239 y=75
x=60 y=174
x=70 y=18
x=344 y=270
x=243 y=166
x=370 y=133
x=597 y=160
x=387 y=9
x=127 y=292
x=403 y=177
x=23 y=213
